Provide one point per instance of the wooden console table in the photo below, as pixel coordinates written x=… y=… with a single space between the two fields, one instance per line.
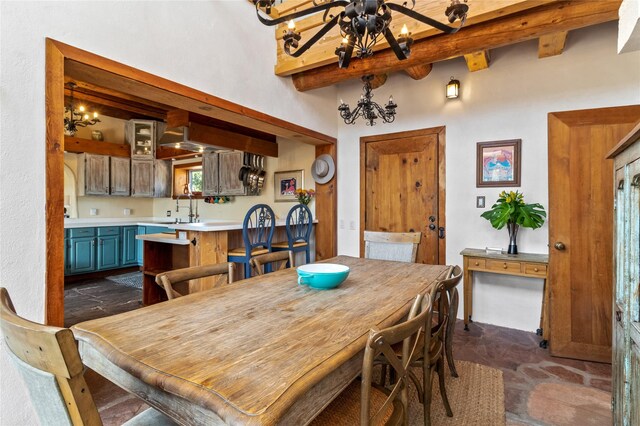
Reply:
x=523 y=264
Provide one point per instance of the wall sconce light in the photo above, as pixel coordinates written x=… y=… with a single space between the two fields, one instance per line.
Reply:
x=453 y=89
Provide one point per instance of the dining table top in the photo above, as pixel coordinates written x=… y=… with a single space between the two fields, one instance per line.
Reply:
x=249 y=350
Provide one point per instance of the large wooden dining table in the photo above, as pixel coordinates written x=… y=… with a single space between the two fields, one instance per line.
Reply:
x=260 y=351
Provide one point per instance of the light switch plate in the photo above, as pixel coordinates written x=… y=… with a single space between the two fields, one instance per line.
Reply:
x=480 y=201
x=127 y=212
x=93 y=212
x=168 y=213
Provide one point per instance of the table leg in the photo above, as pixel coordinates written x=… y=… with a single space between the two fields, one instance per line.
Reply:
x=468 y=291
x=546 y=296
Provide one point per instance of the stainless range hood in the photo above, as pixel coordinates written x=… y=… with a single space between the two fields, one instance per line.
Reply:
x=178 y=137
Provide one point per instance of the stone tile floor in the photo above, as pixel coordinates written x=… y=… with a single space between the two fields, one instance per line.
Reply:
x=539 y=389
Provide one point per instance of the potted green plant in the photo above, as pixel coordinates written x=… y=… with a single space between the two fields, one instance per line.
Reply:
x=512 y=211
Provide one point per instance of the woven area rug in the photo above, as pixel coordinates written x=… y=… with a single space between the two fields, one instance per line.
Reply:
x=476 y=398
x=130 y=279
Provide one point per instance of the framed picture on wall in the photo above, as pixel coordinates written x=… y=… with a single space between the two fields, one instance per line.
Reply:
x=498 y=163
x=285 y=184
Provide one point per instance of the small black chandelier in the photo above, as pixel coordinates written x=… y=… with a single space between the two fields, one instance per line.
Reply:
x=74 y=118
x=362 y=24
x=367 y=108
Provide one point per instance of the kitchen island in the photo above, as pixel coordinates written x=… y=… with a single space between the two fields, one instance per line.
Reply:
x=194 y=244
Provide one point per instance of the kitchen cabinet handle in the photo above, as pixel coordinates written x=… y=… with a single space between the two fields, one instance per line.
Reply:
x=535 y=269
x=504 y=266
x=477 y=263
x=559 y=245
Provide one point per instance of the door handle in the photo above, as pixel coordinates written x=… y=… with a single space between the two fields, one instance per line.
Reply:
x=441 y=232
x=559 y=246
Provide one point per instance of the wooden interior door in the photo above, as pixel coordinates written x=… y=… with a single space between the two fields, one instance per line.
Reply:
x=402 y=181
x=581 y=228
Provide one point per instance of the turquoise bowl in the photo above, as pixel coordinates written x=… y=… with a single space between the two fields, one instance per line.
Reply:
x=322 y=276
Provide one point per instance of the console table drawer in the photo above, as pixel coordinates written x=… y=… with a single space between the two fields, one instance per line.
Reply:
x=503 y=266
x=476 y=263
x=535 y=269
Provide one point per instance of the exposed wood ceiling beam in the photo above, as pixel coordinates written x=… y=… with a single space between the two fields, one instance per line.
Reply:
x=112 y=108
x=418 y=72
x=72 y=144
x=477 y=61
x=168 y=153
x=158 y=89
x=523 y=26
x=378 y=80
x=218 y=137
x=552 y=44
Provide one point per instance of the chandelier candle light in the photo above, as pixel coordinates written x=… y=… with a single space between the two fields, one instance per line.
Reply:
x=367 y=108
x=362 y=24
x=76 y=118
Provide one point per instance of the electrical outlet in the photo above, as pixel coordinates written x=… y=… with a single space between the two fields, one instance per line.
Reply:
x=93 y=212
x=126 y=212
x=168 y=213
x=480 y=202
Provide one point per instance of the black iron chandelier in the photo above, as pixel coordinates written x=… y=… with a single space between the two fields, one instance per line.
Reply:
x=367 y=108
x=74 y=118
x=362 y=24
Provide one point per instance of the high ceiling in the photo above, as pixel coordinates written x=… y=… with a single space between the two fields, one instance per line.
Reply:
x=490 y=24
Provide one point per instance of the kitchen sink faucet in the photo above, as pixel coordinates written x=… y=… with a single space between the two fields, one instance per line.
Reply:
x=193 y=217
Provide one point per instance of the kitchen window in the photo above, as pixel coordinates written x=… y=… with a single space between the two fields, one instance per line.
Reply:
x=187 y=177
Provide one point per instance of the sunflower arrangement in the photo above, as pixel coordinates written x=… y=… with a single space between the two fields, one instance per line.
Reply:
x=304 y=196
x=511 y=208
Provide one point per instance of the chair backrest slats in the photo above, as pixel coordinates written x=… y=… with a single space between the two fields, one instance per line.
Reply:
x=50 y=350
x=299 y=224
x=258 y=228
x=176 y=283
x=278 y=259
x=398 y=246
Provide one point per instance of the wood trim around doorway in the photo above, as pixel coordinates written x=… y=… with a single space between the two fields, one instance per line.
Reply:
x=60 y=58
x=441 y=132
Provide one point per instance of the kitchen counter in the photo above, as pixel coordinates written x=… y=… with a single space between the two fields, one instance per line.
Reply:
x=164 y=238
x=94 y=222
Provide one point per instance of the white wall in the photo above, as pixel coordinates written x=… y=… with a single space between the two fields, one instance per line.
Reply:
x=218 y=47
x=510 y=100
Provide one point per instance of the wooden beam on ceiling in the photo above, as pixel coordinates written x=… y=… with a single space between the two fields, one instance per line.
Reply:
x=72 y=144
x=323 y=52
x=218 y=137
x=477 y=61
x=168 y=153
x=123 y=78
x=378 y=80
x=523 y=26
x=418 y=72
x=552 y=44
x=112 y=108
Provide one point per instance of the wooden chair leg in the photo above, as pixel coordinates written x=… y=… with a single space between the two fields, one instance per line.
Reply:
x=426 y=400
x=443 y=389
x=451 y=328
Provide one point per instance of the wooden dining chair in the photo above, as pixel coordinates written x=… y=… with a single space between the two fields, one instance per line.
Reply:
x=399 y=246
x=365 y=403
x=258 y=227
x=299 y=225
x=278 y=260
x=450 y=284
x=432 y=354
x=48 y=360
x=176 y=283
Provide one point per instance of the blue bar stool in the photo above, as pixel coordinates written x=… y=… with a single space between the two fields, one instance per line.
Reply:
x=257 y=232
x=299 y=226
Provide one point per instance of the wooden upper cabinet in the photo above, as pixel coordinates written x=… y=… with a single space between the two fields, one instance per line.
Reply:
x=141 y=135
x=93 y=174
x=210 y=174
x=220 y=173
x=229 y=164
x=120 y=179
x=162 y=179
x=142 y=178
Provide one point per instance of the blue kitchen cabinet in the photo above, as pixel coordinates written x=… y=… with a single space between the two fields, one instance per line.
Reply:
x=108 y=252
x=139 y=245
x=82 y=255
x=67 y=243
x=129 y=246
